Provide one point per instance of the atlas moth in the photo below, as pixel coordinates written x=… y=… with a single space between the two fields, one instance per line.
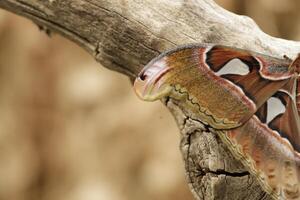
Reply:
x=251 y=100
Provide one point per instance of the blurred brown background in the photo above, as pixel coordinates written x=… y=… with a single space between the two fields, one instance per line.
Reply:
x=73 y=130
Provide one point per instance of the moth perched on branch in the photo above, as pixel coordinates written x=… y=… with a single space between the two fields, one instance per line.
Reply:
x=252 y=101
x=124 y=35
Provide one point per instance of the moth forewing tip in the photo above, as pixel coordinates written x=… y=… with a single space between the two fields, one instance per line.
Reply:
x=152 y=93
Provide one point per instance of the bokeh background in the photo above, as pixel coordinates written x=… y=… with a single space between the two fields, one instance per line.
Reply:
x=73 y=130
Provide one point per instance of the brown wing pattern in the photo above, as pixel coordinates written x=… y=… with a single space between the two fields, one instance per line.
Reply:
x=298 y=96
x=269 y=156
x=218 y=56
x=287 y=124
x=254 y=84
x=222 y=101
x=272 y=145
x=252 y=98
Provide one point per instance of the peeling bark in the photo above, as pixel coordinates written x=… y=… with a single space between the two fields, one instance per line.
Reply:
x=124 y=35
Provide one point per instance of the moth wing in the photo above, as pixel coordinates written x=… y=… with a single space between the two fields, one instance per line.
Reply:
x=265 y=74
x=280 y=113
x=287 y=123
x=224 y=85
x=298 y=96
x=271 y=141
x=270 y=157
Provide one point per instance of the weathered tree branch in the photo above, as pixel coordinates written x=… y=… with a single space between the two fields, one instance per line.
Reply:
x=124 y=35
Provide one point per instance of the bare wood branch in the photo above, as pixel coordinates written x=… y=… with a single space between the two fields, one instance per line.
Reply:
x=124 y=35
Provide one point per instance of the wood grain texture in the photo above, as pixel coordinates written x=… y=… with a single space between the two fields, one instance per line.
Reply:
x=124 y=35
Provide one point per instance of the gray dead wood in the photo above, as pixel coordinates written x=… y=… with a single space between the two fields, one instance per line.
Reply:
x=124 y=35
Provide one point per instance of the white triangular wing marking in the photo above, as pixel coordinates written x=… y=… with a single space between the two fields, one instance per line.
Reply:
x=235 y=66
x=275 y=108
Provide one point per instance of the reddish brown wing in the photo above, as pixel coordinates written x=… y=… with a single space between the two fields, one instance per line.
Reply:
x=269 y=67
x=269 y=156
x=298 y=96
x=266 y=74
x=287 y=124
x=225 y=85
x=218 y=56
x=280 y=114
x=270 y=139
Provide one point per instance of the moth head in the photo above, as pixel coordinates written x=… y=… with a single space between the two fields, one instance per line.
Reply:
x=295 y=66
x=150 y=84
